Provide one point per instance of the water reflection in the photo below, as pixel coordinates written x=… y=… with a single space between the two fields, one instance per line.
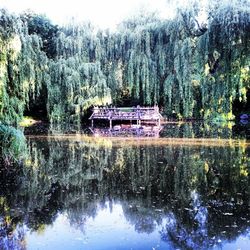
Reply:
x=127 y=131
x=228 y=130
x=75 y=192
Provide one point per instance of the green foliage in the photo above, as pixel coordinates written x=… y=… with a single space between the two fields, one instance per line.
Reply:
x=12 y=145
x=40 y=25
x=24 y=68
x=193 y=68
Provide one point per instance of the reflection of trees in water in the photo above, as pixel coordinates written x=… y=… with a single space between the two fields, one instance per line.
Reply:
x=11 y=238
x=12 y=232
x=188 y=227
x=199 y=130
x=202 y=191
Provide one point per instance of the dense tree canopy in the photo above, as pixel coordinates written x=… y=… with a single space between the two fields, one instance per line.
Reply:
x=191 y=66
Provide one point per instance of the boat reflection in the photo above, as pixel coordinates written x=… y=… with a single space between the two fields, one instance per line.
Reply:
x=127 y=131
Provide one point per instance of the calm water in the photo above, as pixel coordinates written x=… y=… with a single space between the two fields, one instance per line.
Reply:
x=88 y=192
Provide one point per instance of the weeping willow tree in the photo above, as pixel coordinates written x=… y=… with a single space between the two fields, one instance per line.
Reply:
x=226 y=59
x=195 y=65
x=23 y=67
x=77 y=81
x=192 y=68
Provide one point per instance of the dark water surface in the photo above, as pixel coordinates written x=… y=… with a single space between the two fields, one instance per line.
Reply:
x=84 y=192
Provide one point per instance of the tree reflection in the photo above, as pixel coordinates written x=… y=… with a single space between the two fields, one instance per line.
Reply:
x=197 y=194
x=12 y=239
x=192 y=236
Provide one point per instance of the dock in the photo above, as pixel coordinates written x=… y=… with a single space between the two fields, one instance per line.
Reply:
x=138 y=114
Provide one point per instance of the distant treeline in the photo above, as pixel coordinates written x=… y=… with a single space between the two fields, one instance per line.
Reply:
x=191 y=66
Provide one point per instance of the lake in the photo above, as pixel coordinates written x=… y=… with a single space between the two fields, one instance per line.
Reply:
x=183 y=187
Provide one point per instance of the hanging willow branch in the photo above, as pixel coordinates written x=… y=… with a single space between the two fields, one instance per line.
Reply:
x=189 y=69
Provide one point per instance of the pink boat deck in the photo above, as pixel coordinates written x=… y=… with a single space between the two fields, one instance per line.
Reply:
x=138 y=114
